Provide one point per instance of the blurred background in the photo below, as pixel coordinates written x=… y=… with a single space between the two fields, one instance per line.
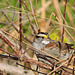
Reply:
x=46 y=15
x=40 y=12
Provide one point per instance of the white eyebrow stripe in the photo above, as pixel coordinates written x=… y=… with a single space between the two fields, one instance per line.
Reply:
x=40 y=34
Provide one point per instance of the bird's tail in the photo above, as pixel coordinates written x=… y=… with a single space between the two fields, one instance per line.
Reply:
x=70 y=46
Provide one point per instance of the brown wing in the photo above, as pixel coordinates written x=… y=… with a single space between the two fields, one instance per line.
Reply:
x=61 y=46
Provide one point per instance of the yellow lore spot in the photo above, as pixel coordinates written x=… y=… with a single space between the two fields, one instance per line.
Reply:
x=45 y=36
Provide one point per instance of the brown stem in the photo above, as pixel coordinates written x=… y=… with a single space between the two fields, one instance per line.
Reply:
x=31 y=24
x=70 y=60
x=73 y=65
x=64 y=21
x=20 y=24
x=16 y=28
x=9 y=57
x=10 y=44
x=5 y=16
x=7 y=52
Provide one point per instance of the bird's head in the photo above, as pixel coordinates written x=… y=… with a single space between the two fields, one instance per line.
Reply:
x=42 y=37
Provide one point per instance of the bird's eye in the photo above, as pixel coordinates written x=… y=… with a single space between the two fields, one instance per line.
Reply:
x=37 y=36
x=42 y=37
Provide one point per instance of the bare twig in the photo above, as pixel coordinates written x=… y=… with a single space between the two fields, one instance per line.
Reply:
x=10 y=44
x=62 y=25
x=69 y=34
x=6 y=16
x=33 y=13
x=20 y=24
x=74 y=66
x=31 y=24
x=4 y=23
x=49 y=21
x=70 y=59
x=65 y=25
x=16 y=28
x=25 y=5
x=13 y=42
x=66 y=70
x=14 y=11
x=35 y=6
x=7 y=52
x=31 y=6
x=64 y=21
x=58 y=67
x=9 y=57
x=31 y=69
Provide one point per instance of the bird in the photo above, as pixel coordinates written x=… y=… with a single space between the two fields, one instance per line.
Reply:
x=55 y=48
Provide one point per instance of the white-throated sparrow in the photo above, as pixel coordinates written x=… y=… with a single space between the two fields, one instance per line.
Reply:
x=52 y=47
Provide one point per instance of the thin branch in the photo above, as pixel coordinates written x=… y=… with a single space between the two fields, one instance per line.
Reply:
x=31 y=6
x=14 y=11
x=16 y=28
x=69 y=34
x=9 y=57
x=26 y=5
x=20 y=24
x=6 y=16
x=33 y=13
x=70 y=59
x=73 y=65
x=58 y=67
x=31 y=24
x=7 y=52
x=64 y=21
x=66 y=70
x=35 y=6
x=13 y=42
x=9 y=44
x=65 y=25
x=62 y=25
x=31 y=69
x=4 y=23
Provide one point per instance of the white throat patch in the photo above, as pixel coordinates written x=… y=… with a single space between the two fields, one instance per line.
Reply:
x=45 y=42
